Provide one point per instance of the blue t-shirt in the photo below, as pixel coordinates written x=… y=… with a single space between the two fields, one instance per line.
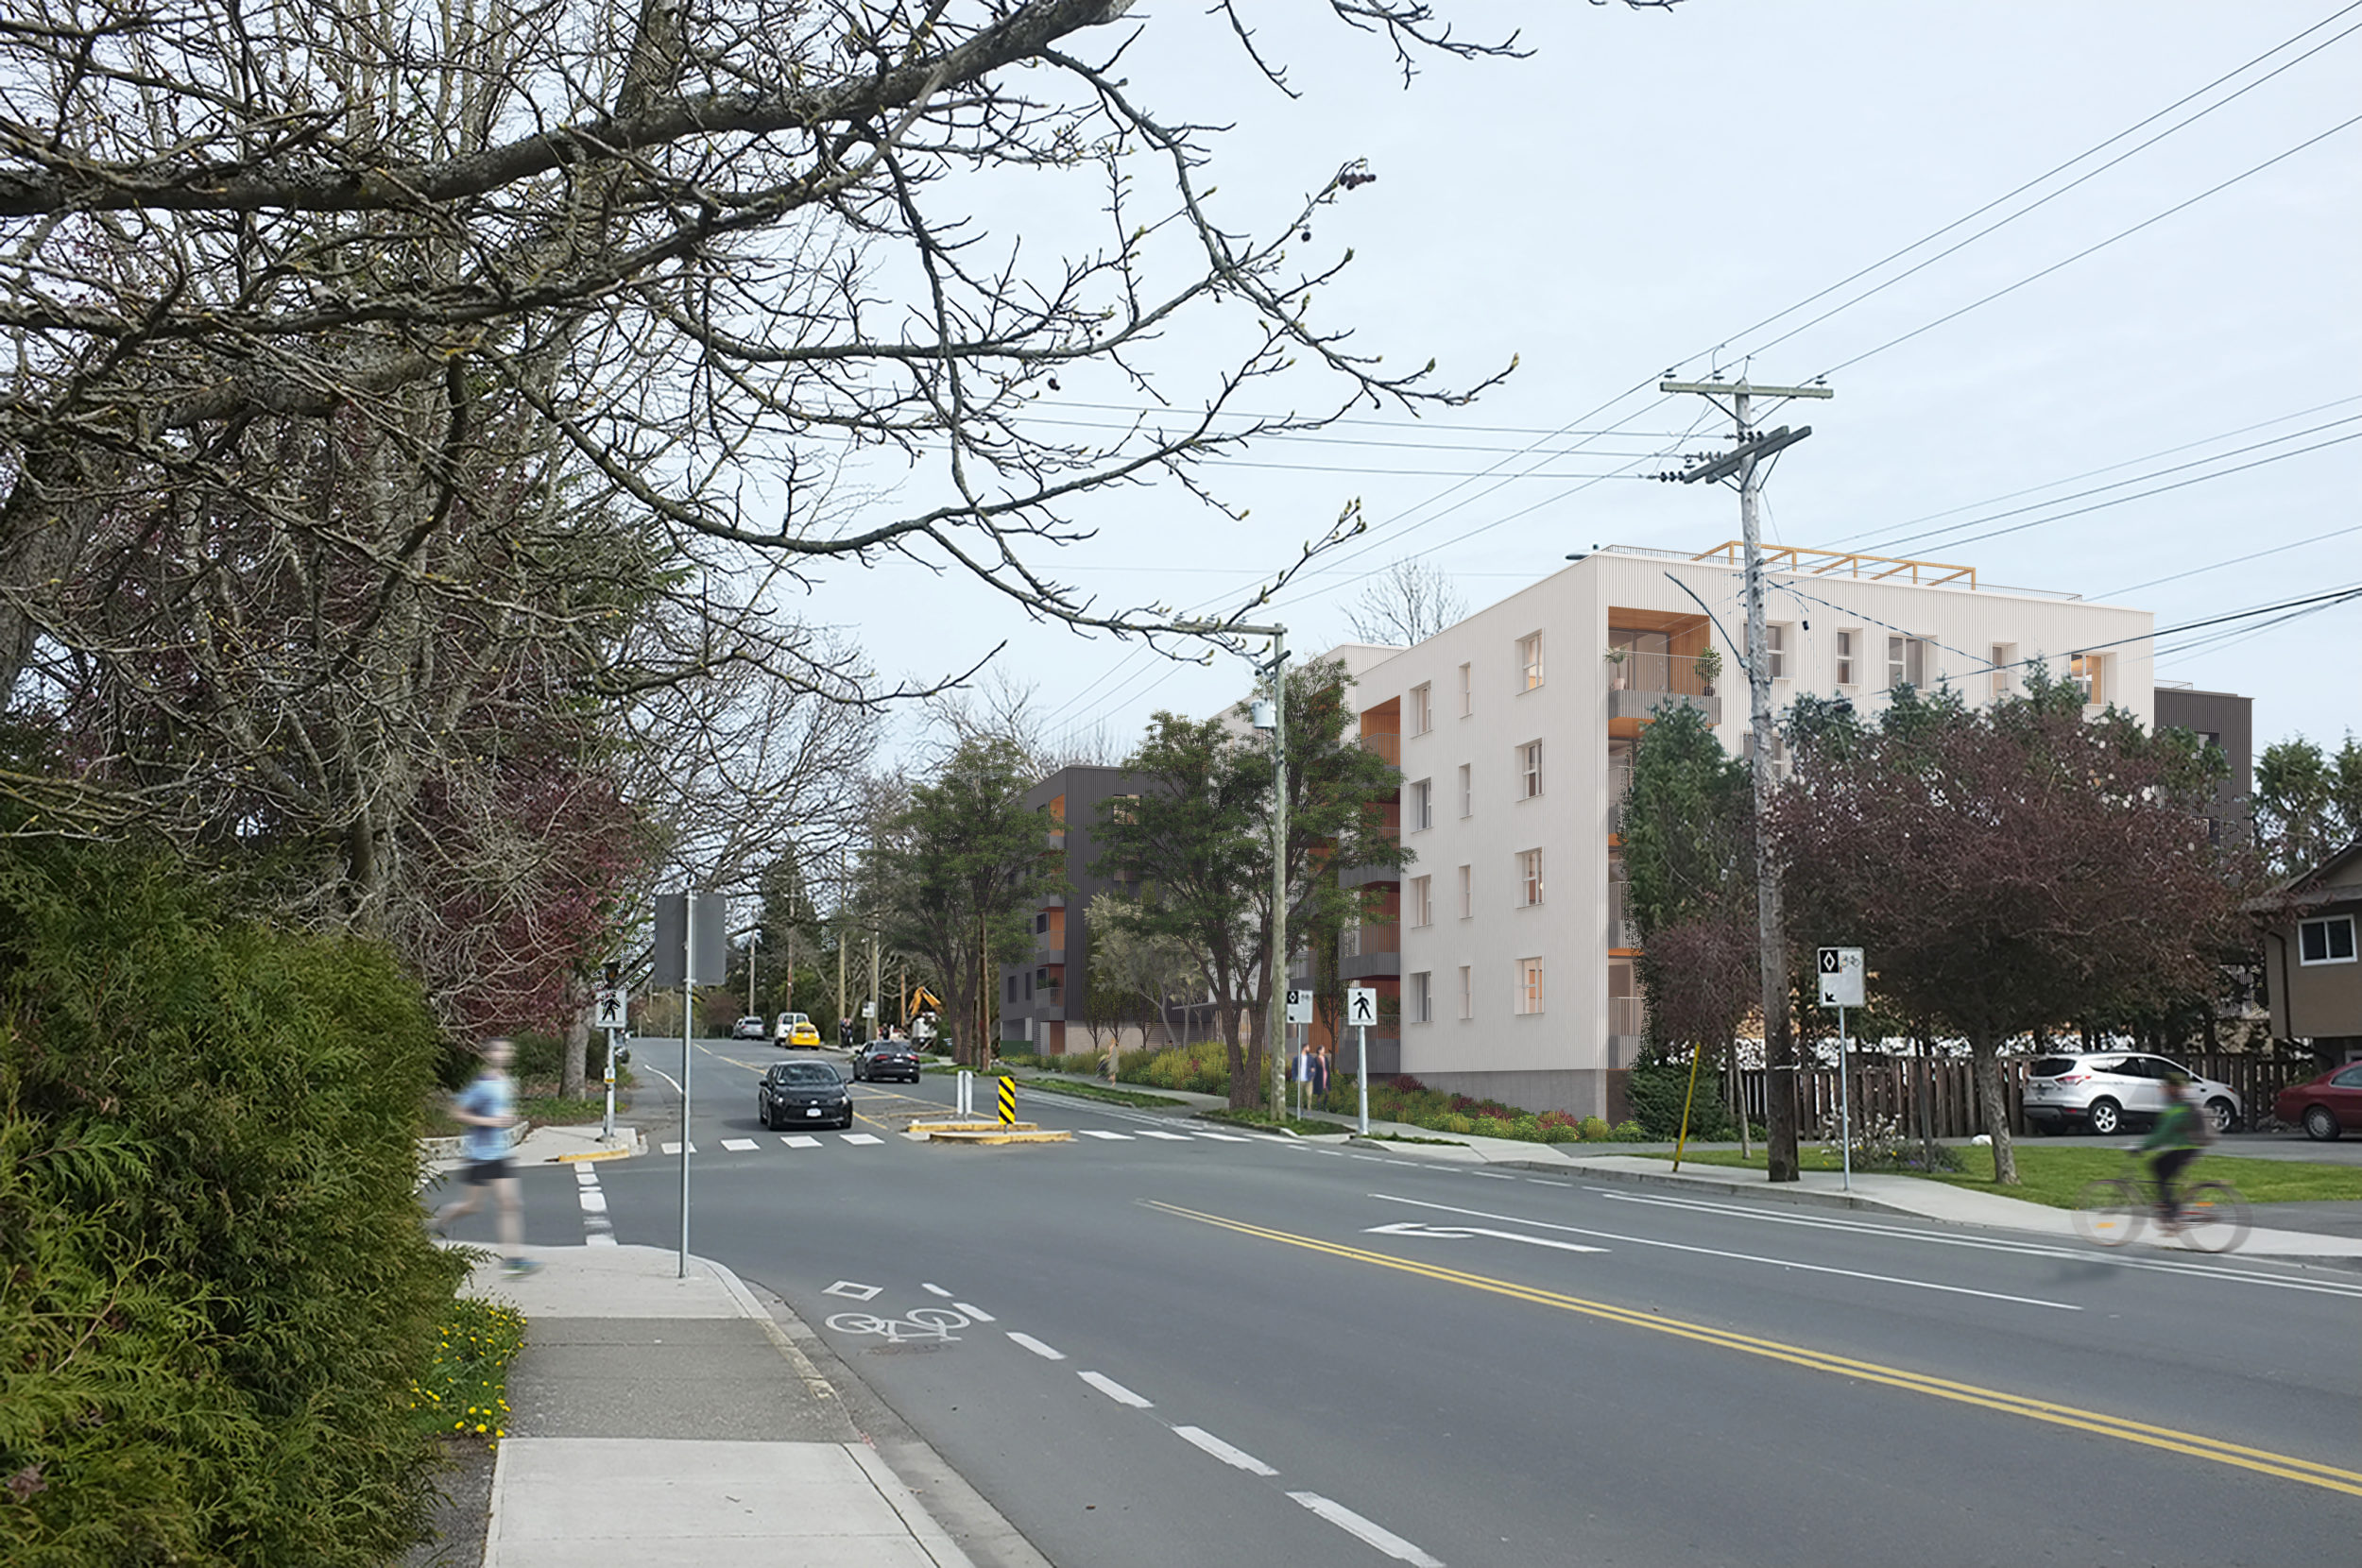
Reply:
x=492 y=1095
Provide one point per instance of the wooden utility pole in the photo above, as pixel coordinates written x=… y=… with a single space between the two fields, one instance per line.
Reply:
x=1744 y=463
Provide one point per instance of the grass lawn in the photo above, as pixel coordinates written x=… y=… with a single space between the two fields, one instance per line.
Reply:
x=464 y=1390
x=1261 y=1122
x=2054 y=1176
x=1099 y=1092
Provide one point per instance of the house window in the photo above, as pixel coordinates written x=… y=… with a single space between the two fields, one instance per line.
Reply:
x=2004 y=656
x=1422 y=708
x=1422 y=805
x=1529 y=660
x=1422 y=1000
x=1467 y=992
x=1776 y=650
x=2326 y=941
x=1530 y=876
x=1467 y=690
x=1530 y=770
x=1907 y=662
x=1422 y=911
x=1529 y=986
x=2088 y=671
x=1467 y=796
x=1463 y=892
x=1848 y=644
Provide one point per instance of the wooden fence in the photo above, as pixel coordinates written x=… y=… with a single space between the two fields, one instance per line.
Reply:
x=1889 y=1088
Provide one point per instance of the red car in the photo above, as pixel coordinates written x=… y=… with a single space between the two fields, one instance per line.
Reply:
x=2326 y=1105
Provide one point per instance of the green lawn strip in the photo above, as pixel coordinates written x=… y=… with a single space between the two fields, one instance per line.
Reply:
x=464 y=1392
x=1100 y=1092
x=1262 y=1121
x=1407 y=1137
x=2055 y=1176
x=552 y=1111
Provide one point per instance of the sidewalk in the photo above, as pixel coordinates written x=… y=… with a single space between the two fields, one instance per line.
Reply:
x=542 y=1145
x=656 y=1420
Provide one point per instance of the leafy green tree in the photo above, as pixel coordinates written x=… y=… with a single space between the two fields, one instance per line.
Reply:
x=1154 y=970
x=958 y=871
x=2308 y=804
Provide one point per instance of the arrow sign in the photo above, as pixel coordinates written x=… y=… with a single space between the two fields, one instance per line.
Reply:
x=1462 y=1232
x=1841 y=977
x=1360 y=1007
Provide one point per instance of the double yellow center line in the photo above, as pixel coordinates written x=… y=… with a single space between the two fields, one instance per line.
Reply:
x=2263 y=1461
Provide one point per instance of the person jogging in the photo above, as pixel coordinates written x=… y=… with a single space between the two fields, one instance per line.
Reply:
x=487 y=1107
x=2179 y=1137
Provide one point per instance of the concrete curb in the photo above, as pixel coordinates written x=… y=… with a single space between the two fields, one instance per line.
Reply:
x=1784 y=1193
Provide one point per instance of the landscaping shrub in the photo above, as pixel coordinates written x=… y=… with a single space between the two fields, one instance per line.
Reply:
x=1659 y=1082
x=1201 y=1069
x=1406 y=1100
x=215 y=1293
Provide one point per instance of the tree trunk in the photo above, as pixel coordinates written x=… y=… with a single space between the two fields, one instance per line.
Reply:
x=1986 y=1058
x=1245 y=1088
x=572 y=1075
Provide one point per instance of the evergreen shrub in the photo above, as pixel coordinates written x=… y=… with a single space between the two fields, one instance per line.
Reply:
x=215 y=1290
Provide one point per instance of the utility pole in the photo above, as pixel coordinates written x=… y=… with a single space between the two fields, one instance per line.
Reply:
x=840 y=943
x=1745 y=462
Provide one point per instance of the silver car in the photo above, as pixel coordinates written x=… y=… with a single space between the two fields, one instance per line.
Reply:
x=2108 y=1091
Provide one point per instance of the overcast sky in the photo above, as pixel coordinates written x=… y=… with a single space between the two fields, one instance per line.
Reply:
x=1647 y=187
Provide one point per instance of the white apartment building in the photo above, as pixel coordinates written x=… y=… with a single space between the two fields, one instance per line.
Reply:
x=1509 y=951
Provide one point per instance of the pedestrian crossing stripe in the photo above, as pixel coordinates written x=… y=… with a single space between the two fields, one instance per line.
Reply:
x=738 y=1146
x=863 y=1137
x=1169 y=1138
x=1112 y=1137
x=801 y=1140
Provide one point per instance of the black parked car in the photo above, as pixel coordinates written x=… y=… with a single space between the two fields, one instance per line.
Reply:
x=803 y=1094
x=882 y=1059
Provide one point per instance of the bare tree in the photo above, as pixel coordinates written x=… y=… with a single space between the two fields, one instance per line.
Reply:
x=1408 y=603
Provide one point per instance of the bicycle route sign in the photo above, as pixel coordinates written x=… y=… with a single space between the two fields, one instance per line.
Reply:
x=1841 y=977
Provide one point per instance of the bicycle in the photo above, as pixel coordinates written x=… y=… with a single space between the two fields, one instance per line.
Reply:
x=2109 y=1210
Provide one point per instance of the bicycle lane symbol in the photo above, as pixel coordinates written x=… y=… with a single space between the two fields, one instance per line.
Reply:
x=921 y=1324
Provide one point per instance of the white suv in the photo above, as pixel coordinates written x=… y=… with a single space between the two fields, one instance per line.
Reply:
x=2111 y=1090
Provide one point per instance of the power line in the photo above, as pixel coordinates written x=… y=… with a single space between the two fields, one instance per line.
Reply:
x=2237 y=560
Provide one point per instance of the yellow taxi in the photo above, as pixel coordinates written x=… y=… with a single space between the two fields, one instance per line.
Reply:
x=796 y=1029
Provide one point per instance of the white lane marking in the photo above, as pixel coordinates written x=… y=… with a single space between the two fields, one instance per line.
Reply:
x=853 y=1290
x=1169 y=1138
x=1546 y=1182
x=1111 y=1137
x=1372 y=1158
x=1226 y=1138
x=1410 y=1165
x=935 y=1290
x=1037 y=1347
x=1491 y=1175
x=1354 y=1524
x=1237 y=1458
x=1461 y=1232
x=598 y=1241
x=863 y=1137
x=1739 y=1257
x=592 y=1199
x=675 y=1149
x=2028 y=1247
x=1114 y=1391
x=586 y=1175
x=738 y=1146
x=801 y=1140
x=978 y=1313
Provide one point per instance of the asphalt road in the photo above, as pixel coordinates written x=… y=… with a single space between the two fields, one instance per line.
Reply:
x=1189 y=1349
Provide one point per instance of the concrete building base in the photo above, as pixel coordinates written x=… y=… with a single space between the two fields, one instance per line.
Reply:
x=1577 y=1091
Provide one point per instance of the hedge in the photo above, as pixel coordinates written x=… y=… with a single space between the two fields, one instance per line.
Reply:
x=215 y=1287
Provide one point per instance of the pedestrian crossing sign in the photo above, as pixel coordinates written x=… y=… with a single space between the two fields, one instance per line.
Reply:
x=1360 y=1007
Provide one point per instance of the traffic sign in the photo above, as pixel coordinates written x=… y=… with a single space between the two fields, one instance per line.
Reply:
x=1299 y=1006
x=1841 y=977
x=612 y=1001
x=1360 y=1007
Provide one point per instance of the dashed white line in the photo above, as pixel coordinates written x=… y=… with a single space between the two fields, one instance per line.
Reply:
x=1226 y=1138
x=1114 y=1391
x=1376 y=1535
x=1546 y=1182
x=801 y=1140
x=978 y=1313
x=738 y=1146
x=863 y=1137
x=935 y=1290
x=1037 y=1347
x=1111 y=1137
x=1238 y=1458
x=1491 y=1175
x=592 y=1199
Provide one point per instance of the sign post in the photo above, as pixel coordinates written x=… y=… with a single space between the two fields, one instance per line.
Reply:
x=1300 y=1012
x=1841 y=988
x=1362 y=1012
x=611 y=1018
x=690 y=949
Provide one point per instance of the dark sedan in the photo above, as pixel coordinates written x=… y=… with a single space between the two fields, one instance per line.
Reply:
x=2325 y=1106
x=886 y=1059
x=803 y=1094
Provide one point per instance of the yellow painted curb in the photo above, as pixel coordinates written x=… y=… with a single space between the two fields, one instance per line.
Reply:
x=996 y=1135
x=973 y=1127
x=591 y=1155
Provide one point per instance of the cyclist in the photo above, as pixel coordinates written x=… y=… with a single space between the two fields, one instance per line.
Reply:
x=2178 y=1137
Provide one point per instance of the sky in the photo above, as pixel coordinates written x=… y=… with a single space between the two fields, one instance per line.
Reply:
x=2151 y=373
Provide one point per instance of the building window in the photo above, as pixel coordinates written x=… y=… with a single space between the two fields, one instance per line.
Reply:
x=1421 y=911
x=2326 y=941
x=1530 y=876
x=1422 y=805
x=1422 y=708
x=1847 y=644
x=1467 y=690
x=2088 y=671
x=2004 y=656
x=1907 y=662
x=1465 y=909
x=1467 y=792
x=1422 y=1000
x=1530 y=770
x=1468 y=989
x=1529 y=660
x=1529 y=986
x=1776 y=650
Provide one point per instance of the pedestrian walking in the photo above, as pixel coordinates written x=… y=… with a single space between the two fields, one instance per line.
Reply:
x=488 y=1108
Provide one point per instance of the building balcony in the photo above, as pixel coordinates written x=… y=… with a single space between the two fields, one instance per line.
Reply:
x=1369 y=966
x=1369 y=937
x=1622 y=932
x=1366 y=875
x=1626 y=1015
x=1050 y=945
x=1055 y=839
x=1386 y=745
x=1644 y=682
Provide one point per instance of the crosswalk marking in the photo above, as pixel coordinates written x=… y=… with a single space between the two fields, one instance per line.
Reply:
x=1226 y=1138
x=1169 y=1138
x=675 y=1149
x=863 y=1137
x=738 y=1146
x=1112 y=1137
x=801 y=1140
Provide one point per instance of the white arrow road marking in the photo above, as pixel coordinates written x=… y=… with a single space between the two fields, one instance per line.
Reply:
x=1353 y=1523
x=1237 y=1458
x=1461 y=1232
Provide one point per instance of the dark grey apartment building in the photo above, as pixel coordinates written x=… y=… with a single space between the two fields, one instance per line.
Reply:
x=1037 y=995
